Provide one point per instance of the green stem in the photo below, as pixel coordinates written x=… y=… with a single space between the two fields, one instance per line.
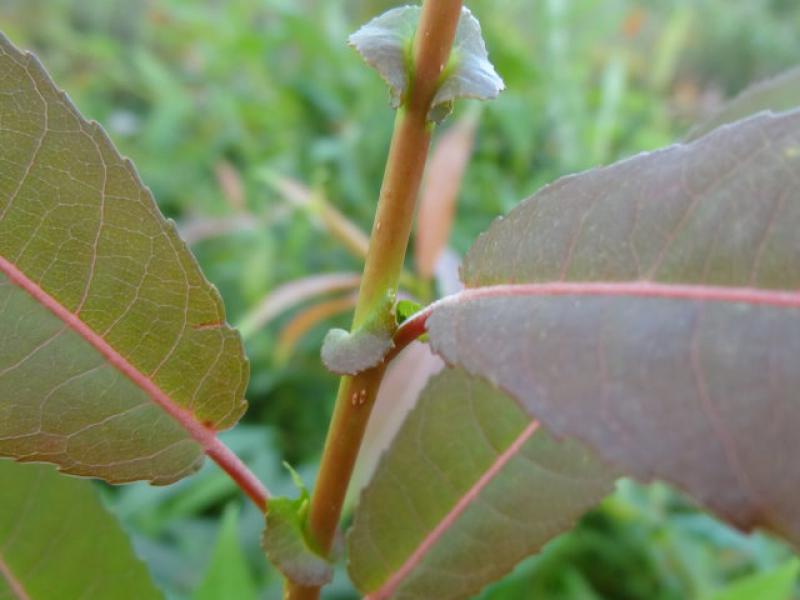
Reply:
x=384 y=264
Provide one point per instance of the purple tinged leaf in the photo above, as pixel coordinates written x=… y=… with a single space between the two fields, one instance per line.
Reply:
x=652 y=310
x=779 y=93
x=468 y=488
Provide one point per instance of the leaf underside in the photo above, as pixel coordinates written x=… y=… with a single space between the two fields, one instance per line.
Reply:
x=286 y=546
x=385 y=44
x=51 y=529
x=457 y=432
x=702 y=391
x=779 y=93
x=78 y=227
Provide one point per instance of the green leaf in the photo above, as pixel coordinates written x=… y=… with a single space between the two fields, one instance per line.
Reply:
x=406 y=308
x=386 y=42
x=115 y=358
x=473 y=486
x=775 y=584
x=470 y=74
x=57 y=541
x=286 y=544
x=651 y=309
x=227 y=575
x=777 y=94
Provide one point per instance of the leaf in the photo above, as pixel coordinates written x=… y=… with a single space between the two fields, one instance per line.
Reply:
x=293 y=293
x=470 y=74
x=285 y=542
x=227 y=575
x=777 y=94
x=349 y=353
x=350 y=235
x=307 y=319
x=437 y=202
x=406 y=308
x=651 y=309
x=406 y=376
x=52 y=528
x=115 y=359
x=467 y=489
x=775 y=584
x=385 y=43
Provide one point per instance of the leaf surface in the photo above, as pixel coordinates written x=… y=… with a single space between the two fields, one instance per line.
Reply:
x=467 y=489
x=386 y=42
x=286 y=544
x=779 y=93
x=439 y=192
x=57 y=541
x=652 y=310
x=776 y=584
x=115 y=359
x=227 y=574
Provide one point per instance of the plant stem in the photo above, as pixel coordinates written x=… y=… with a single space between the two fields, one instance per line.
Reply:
x=391 y=230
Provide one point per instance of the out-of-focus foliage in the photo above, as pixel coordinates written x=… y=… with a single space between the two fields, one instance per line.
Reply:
x=215 y=99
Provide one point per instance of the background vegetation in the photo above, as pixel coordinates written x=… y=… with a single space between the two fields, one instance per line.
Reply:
x=216 y=100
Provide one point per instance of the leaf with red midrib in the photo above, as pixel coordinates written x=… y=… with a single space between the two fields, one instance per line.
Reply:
x=651 y=309
x=469 y=487
x=115 y=359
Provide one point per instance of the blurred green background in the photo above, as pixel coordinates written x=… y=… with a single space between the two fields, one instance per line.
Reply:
x=216 y=100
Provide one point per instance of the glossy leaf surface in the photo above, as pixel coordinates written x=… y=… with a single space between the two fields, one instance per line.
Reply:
x=466 y=490
x=652 y=310
x=115 y=359
x=52 y=527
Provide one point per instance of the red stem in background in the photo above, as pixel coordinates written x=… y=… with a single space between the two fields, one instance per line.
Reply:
x=203 y=435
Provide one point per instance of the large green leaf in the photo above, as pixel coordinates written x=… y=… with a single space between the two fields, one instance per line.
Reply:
x=467 y=489
x=115 y=359
x=652 y=310
x=57 y=541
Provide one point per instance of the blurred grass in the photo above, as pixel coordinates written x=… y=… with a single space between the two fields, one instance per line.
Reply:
x=211 y=98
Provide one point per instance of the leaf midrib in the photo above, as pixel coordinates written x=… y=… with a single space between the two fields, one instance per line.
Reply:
x=414 y=326
x=16 y=586
x=464 y=502
x=203 y=435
